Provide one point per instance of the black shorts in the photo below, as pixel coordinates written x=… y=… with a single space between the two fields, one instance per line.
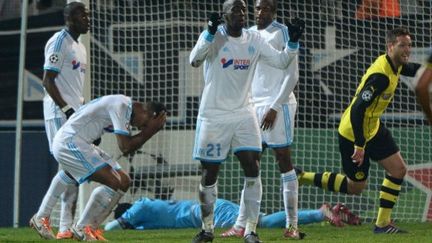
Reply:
x=381 y=146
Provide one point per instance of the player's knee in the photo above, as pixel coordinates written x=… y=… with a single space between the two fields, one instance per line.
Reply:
x=399 y=171
x=356 y=187
x=125 y=183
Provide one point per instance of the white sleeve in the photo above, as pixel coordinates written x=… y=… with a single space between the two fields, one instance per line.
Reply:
x=275 y=58
x=120 y=114
x=201 y=49
x=54 y=55
x=288 y=85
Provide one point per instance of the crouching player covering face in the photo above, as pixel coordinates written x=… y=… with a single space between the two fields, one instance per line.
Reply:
x=74 y=150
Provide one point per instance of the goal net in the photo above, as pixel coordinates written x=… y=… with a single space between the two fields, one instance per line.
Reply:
x=141 y=49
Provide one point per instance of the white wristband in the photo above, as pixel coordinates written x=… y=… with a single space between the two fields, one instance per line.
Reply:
x=65 y=108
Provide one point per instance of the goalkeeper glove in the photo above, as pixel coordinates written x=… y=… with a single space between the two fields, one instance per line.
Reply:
x=214 y=21
x=295 y=29
x=68 y=111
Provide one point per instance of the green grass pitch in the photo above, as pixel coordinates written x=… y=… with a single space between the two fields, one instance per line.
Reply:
x=418 y=232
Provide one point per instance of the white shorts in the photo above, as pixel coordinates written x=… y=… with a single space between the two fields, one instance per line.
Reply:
x=51 y=128
x=213 y=139
x=282 y=133
x=80 y=158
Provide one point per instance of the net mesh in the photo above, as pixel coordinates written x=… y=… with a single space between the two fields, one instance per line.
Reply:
x=141 y=49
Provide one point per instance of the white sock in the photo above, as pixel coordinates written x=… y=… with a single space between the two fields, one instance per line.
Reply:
x=101 y=218
x=57 y=187
x=290 y=197
x=252 y=199
x=69 y=199
x=99 y=201
x=207 y=197
x=241 y=218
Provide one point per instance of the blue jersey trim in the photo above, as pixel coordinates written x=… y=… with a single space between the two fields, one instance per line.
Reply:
x=279 y=145
x=59 y=41
x=283 y=29
x=239 y=149
x=121 y=132
x=208 y=37
x=211 y=161
x=91 y=172
x=293 y=45
x=52 y=69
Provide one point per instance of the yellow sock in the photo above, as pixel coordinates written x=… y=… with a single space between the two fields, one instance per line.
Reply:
x=307 y=178
x=389 y=194
x=383 y=218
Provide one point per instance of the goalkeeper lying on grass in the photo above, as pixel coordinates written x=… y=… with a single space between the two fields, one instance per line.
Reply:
x=148 y=213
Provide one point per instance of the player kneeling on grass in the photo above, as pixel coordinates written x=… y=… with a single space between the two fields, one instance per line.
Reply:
x=74 y=150
x=148 y=213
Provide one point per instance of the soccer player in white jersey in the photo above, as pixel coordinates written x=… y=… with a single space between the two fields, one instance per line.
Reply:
x=226 y=118
x=64 y=70
x=73 y=149
x=275 y=103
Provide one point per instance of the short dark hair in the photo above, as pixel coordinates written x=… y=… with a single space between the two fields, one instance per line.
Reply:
x=71 y=7
x=156 y=107
x=393 y=34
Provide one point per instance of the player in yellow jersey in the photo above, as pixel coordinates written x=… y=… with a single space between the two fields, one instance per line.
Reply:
x=422 y=89
x=362 y=136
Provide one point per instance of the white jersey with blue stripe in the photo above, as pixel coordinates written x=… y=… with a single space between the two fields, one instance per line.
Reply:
x=68 y=58
x=272 y=86
x=111 y=113
x=229 y=66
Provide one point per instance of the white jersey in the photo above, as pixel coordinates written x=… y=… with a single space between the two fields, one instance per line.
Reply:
x=272 y=86
x=229 y=66
x=111 y=113
x=68 y=58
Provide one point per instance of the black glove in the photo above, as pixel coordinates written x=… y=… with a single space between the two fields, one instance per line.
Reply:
x=295 y=29
x=69 y=112
x=97 y=141
x=214 y=21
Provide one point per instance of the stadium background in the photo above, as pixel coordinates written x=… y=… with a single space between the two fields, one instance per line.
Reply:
x=139 y=48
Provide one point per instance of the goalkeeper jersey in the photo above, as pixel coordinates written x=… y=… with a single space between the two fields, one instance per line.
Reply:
x=161 y=214
x=272 y=86
x=68 y=58
x=111 y=113
x=229 y=66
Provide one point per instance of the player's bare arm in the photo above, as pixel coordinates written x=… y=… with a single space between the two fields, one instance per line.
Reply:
x=50 y=86
x=129 y=144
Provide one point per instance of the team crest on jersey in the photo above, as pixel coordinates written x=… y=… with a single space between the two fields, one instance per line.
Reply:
x=386 y=96
x=75 y=64
x=239 y=64
x=53 y=58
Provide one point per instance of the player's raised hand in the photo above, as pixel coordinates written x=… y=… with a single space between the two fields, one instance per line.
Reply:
x=295 y=29
x=214 y=21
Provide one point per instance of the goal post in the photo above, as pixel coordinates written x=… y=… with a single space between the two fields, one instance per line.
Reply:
x=141 y=49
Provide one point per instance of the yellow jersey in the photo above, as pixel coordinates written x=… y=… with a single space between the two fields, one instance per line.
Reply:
x=376 y=97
